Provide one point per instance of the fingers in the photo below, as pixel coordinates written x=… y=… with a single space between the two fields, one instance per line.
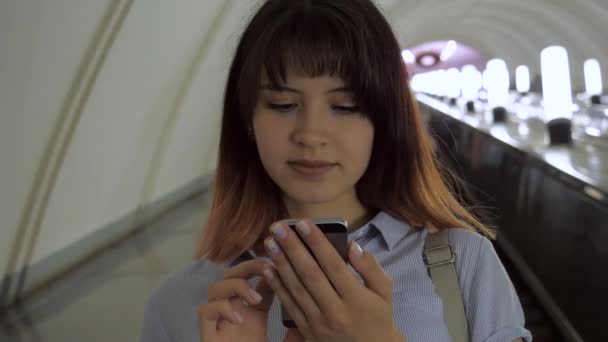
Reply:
x=328 y=258
x=286 y=299
x=290 y=281
x=219 y=309
x=265 y=290
x=229 y=288
x=246 y=269
x=293 y=335
x=235 y=284
x=211 y=312
x=225 y=296
x=371 y=271
x=301 y=272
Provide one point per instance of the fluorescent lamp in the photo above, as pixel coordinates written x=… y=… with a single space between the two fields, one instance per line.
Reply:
x=593 y=77
x=471 y=82
x=557 y=89
x=497 y=83
x=485 y=79
x=432 y=82
x=453 y=83
x=522 y=79
x=442 y=82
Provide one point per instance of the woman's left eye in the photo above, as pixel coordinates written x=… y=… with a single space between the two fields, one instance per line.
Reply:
x=347 y=109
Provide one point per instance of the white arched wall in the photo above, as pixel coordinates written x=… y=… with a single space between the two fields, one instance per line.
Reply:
x=103 y=117
x=41 y=52
x=88 y=151
x=118 y=137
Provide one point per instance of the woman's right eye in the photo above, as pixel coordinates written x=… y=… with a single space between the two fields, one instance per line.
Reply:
x=281 y=107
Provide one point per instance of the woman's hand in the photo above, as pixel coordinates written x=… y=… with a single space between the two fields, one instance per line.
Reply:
x=323 y=297
x=235 y=312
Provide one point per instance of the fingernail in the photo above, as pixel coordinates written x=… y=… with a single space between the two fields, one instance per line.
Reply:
x=238 y=317
x=255 y=296
x=244 y=302
x=279 y=231
x=356 y=249
x=272 y=246
x=303 y=227
x=268 y=274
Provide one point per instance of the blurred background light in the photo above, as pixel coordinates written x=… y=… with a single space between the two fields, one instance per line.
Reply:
x=497 y=82
x=408 y=56
x=593 y=77
x=428 y=60
x=522 y=79
x=453 y=82
x=557 y=89
x=471 y=82
x=448 y=51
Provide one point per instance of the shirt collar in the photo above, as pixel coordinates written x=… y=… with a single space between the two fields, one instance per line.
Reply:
x=391 y=229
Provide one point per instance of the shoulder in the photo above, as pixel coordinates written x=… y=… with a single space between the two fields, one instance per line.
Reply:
x=491 y=302
x=473 y=252
x=467 y=239
x=469 y=245
x=477 y=262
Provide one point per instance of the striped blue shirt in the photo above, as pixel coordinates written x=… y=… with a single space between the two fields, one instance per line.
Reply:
x=492 y=307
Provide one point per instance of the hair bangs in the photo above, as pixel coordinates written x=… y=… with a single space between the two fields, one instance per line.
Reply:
x=311 y=44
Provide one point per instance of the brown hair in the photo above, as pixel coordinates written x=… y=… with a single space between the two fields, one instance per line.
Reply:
x=350 y=39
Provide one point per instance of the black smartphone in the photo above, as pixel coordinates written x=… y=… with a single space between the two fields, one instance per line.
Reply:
x=336 y=231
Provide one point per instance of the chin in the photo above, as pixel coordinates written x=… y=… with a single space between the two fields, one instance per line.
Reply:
x=311 y=196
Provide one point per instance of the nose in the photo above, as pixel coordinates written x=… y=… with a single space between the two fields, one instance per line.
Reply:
x=310 y=129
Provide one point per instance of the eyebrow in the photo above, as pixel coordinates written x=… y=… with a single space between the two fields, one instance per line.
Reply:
x=291 y=90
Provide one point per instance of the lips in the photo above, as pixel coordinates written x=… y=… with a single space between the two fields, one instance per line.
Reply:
x=311 y=168
x=311 y=163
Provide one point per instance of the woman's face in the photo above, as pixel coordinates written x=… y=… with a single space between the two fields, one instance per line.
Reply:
x=312 y=119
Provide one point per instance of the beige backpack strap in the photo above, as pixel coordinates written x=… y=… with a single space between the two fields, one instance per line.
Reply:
x=439 y=259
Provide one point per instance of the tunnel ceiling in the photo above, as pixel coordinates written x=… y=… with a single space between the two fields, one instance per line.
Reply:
x=515 y=30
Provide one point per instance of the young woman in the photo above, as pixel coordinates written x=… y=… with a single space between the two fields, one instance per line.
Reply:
x=319 y=121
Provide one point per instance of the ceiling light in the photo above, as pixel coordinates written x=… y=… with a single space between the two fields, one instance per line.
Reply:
x=408 y=56
x=449 y=50
x=522 y=79
x=557 y=89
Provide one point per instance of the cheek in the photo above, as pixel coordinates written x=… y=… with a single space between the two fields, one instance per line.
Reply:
x=270 y=145
x=268 y=149
x=359 y=148
x=364 y=157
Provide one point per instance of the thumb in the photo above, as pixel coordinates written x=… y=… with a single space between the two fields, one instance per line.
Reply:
x=293 y=335
x=371 y=271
